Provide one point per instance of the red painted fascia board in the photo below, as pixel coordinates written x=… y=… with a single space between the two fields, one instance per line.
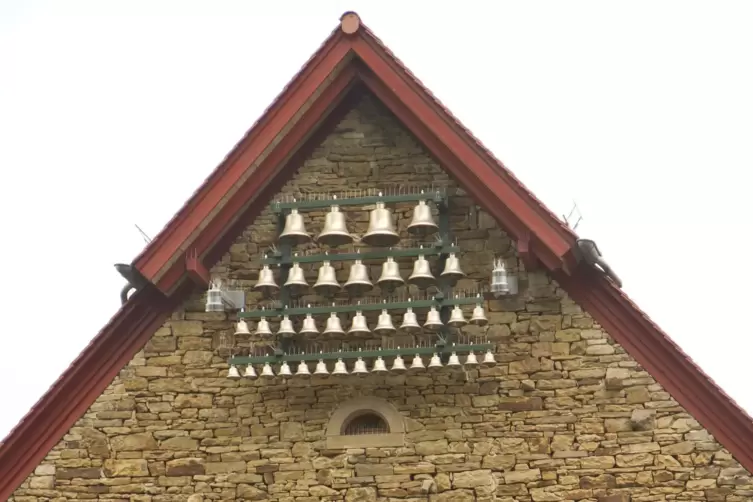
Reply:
x=254 y=186
x=169 y=241
x=80 y=385
x=655 y=351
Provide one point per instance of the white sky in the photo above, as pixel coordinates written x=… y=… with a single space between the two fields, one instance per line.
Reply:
x=112 y=113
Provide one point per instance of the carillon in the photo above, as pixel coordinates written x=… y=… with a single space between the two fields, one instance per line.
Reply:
x=381 y=231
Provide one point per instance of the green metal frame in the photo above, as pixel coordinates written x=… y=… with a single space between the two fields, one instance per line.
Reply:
x=435 y=196
x=353 y=354
x=438 y=249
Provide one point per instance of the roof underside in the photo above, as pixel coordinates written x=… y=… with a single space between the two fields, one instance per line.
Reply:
x=244 y=183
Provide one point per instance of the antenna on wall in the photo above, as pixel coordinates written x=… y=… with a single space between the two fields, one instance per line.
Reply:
x=574 y=215
x=146 y=238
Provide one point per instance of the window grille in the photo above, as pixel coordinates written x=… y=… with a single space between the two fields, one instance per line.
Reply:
x=367 y=423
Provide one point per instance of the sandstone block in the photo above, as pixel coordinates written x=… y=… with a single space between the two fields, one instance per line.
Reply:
x=524 y=476
x=248 y=492
x=291 y=431
x=125 y=468
x=185 y=467
x=134 y=442
x=452 y=496
x=361 y=494
x=184 y=443
x=472 y=479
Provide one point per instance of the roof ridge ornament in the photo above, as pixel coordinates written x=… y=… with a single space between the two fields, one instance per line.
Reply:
x=350 y=22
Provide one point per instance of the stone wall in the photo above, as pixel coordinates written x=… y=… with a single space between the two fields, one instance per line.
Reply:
x=565 y=415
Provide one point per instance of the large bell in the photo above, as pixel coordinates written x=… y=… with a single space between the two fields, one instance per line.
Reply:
x=333 y=325
x=335 y=231
x=478 y=317
x=379 y=366
x=452 y=270
x=422 y=276
x=262 y=328
x=241 y=328
x=422 y=222
x=358 y=280
x=359 y=368
x=309 y=325
x=294 y=232
x=303 y=370
x=417 y=364
x=321 y=369
x=286 y=326
x=390 y=278
x=340 y=368
x=384 y=324
x=296 y=282
x=381 y=231
x=266 y=283
x=433 y=320
x=359 y=326
x=326 y=282
x=410 y=322
x=457 y=318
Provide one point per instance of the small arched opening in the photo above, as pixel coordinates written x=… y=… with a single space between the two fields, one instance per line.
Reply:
x=365 y=423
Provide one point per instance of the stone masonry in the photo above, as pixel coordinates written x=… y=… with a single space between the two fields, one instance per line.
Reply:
x=565 y=415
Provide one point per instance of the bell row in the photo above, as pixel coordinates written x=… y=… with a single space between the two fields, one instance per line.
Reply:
x=358 y=281
x=360 y=367
x=381 y=231
x=360 y=326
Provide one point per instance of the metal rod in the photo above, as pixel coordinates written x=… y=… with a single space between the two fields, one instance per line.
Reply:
x=438 y=249
x=435 y=196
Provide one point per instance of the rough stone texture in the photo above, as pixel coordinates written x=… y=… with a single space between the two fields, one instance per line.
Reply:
x=565 y=415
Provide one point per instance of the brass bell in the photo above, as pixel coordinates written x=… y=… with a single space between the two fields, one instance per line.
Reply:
x=340 y=368
x=471 y=360
x=453 y=361
x=326 y=282
x=359 y=368
x=294 y=232
x=250 y=372
x=309 y=325
x=435 y=363
x=266 y=283
x=262 y=328
x=422 y=222
x=233 y=372
x=398 y=365
x=321 y=369
x=379 y=366
x=286 y=326
x=417 y=364
x=489 y=359
x=285 y=370
x=390 y=278
x=381 y=231
x=303 y=370
x=296 y=282
x=452 y=270
x=457 y=318
x=384 y=324
x=266 y=371
x=433 y=320
x=358 y=325
x=479 y=318
x=422 y=276
x=335 y=231
x=410 y=322
x=358 y=281
x=241 y=328
x=333 y=325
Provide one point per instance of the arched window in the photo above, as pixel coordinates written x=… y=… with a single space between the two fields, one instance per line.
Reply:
x=365 y=422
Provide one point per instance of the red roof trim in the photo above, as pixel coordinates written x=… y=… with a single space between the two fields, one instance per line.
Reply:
x=486 y=179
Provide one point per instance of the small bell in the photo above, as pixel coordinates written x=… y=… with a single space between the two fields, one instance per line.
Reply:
x=435 y=363
x=358 y=280
x=433 y=320
x=250 y=372
x=360 y=368
x=452 y=270
x=500 y=285
x=241 y=328
x=384 y=324
x=471 y=360
x=333 y=326
x=453 y=361
x=266 y=371
x=296 y=282
x=457 y=319
x=233 y=372
x=479 y=318
x=422 y=276
x=321 y=369
x=309 y=325
x=358 y=325
x=410 y=322
x=326 y=282
x=340 y=368
x=294 y=232
x=398 y=365
x=286 y=326
x=285 y=370
x=390 y=278
x=266 y=283
x=303 y=370
x=379 y=366
x=422 y=222
x=262 y=328
x=381 y=231
x=489 y=359
x=335 y=231
x=417 y=364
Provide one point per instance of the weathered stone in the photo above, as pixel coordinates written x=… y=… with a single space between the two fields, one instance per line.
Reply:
x=522 y=476
x=291 y=431
x=361 y=494
x=185 y=467
x=125 y=468
x=134 y=442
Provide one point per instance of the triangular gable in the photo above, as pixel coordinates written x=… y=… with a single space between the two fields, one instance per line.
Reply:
x=250 y=175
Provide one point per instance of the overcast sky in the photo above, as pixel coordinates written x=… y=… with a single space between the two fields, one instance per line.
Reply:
x=113 y=112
